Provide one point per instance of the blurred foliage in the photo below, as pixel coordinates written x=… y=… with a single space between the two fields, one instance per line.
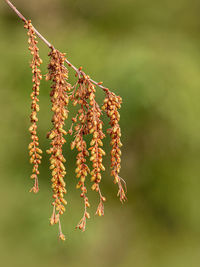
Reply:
x=148 y=52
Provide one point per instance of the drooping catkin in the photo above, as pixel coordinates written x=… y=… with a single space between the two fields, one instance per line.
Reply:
x=95 y=125
x=86 y=122
x=58 y=74
x=34 y=150
x=111 y=105
x=82 y=170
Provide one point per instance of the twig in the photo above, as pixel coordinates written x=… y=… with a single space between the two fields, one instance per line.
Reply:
x=78 y=71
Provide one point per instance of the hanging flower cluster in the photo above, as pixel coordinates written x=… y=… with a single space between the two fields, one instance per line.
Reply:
x=111 y=105
x=58 y=74
x=87 y=122
x=34 y=150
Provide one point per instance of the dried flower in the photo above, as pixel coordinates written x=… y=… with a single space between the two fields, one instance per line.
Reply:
x=34 y=150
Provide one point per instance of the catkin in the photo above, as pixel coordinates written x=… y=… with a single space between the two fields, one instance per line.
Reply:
x=34 y=150
x=58 y=74
x=111 y=105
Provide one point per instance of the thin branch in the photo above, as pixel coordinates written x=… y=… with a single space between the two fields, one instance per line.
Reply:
x=78 y=71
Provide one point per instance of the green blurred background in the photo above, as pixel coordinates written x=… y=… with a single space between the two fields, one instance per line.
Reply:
x=149 y=53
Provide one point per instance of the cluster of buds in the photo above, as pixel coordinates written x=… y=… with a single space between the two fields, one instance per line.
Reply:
x=58 y=74
x=111 y=105
x=34 y=150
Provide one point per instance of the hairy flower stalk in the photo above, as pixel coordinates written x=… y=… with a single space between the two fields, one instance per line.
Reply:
x=58 y=74
x=34 y=150
x=111 y=105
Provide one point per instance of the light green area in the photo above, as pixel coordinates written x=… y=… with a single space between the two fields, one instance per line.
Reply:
x=149 y=53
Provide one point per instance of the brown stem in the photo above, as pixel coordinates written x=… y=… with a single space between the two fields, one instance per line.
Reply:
x=78 y=71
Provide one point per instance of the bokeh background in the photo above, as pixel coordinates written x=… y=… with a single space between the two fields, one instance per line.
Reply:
x=149 y=53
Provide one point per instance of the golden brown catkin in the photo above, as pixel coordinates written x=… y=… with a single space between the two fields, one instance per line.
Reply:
x=95 y=125
x=34 y=150
x=111 y=105
x=58 y=74
x=87 y=121
x=81 y=130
